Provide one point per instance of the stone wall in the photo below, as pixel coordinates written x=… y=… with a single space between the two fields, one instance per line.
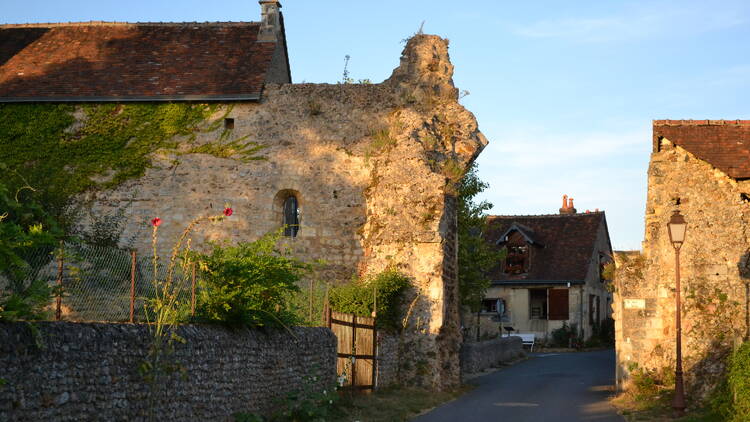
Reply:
x=478 y=356
x=71 y=372
x=714 y=272
x=372 y=166
x=388 y=360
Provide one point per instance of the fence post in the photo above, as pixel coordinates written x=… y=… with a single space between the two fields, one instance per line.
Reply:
x=132 y=285
x=192 y=294
x=60 y=263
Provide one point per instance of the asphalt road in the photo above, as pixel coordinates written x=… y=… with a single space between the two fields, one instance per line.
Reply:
x=547 y=387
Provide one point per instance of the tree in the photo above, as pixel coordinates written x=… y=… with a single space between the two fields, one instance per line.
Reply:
x=476 y=257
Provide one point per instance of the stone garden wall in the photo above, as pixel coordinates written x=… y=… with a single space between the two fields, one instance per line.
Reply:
x=72 y=372
x=478 y=356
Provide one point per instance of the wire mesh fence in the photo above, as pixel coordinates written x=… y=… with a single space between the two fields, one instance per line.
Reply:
x=94 y=283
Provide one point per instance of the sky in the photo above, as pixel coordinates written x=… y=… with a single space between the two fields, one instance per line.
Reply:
x=564 y=91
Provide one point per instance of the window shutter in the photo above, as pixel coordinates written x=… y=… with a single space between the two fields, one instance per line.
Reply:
x=558 y=304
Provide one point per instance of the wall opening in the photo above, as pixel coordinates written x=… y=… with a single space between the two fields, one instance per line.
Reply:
x=229 y=123
x=287 y=207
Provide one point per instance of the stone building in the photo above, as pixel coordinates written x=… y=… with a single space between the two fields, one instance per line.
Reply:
x=362 y=173
x=702 y=168
x=552 y=273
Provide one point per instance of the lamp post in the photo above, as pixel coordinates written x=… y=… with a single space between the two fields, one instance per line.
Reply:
x=677 y=227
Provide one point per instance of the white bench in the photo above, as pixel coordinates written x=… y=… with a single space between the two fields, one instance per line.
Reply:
x=526 y=339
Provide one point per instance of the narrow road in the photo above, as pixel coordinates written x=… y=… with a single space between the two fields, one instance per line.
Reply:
x=565 y=387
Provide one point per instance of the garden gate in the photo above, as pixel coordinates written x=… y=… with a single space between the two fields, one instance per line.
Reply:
x=356 y=349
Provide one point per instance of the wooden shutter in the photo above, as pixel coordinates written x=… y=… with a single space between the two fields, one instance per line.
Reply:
x=558 y=305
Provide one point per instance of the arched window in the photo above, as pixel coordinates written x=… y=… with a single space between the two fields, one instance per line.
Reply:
x=291 y=216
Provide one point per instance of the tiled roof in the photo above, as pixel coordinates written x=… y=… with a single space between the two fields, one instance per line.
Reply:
x=100 y=61
x=725 y=144
x=566 y=241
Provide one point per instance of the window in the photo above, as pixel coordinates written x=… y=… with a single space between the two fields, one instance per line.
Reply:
x=538 y=303
x=490 y=305
x=517 y=260
x=229 y=123
x=291 y=216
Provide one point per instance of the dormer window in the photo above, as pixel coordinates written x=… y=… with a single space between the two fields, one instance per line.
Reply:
x=517 y=258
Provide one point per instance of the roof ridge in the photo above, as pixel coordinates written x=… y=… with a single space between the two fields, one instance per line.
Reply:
x=706 y=122
x=116 y=23
x=546 y=215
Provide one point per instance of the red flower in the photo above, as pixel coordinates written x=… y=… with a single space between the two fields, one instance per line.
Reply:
x=228 y=211
x=156 y=222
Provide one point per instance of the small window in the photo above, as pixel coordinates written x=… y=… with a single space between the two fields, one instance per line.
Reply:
x=291 y=216
x=517 y=258
x=229 y=123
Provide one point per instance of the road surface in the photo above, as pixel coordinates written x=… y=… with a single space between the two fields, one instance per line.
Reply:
x=564 y=387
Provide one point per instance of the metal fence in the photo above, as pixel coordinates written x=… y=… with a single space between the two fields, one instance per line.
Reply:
x=95 y=283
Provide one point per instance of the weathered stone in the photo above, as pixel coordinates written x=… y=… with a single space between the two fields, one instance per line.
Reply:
x=225 y=371
x=365 y=161
x=714 y=289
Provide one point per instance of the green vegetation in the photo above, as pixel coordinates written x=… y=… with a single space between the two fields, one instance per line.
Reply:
x=476 y=257
x=40 y=144
x=386 y=405
x=731 y=400
x=358 y=297
x=28 y=237
x=249 y=284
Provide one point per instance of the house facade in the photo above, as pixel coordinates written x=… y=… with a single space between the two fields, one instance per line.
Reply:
x=349 y=169
x=553 y=272
x=702 y=169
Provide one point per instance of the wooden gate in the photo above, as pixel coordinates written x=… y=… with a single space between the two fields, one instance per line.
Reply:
x=357 y=349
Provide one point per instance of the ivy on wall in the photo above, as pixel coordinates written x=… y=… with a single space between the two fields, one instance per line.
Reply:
x=63 y=150
x=111 y=145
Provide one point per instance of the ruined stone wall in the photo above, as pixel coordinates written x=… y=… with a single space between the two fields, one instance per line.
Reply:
x=71 y=372
x=714 y=264
x=373 y=168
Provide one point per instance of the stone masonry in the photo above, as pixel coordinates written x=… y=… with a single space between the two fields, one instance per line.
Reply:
x=372 y=166
x=71 y=372
x=714 y=266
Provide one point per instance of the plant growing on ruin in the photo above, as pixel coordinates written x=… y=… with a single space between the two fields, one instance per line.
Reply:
x=359 y=296
x=249 y=284
x=732 y=399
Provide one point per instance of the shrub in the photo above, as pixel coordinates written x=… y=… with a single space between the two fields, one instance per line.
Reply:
x=28 y=236
x=565 y=336
x=358 y=296
x=732 y=398
x=248 y=284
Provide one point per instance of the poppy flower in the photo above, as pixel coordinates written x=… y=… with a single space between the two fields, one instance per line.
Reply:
x=228 y=211
x=156 y=222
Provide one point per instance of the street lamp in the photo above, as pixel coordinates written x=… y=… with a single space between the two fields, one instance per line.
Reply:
x=677 y=227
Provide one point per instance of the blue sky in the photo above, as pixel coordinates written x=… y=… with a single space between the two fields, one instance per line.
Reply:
x=564 y=91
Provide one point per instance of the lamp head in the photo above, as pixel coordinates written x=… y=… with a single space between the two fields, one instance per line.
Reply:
x=677 y=227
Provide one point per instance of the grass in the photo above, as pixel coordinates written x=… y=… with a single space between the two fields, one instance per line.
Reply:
x=392 y=404
x=658 y=409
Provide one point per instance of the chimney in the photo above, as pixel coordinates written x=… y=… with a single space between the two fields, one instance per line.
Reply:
x=567 y=207
x=270 y=21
